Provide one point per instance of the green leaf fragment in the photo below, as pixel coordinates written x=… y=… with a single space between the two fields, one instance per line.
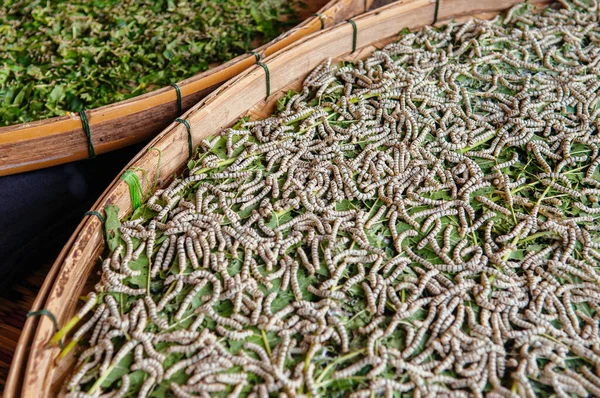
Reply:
x=112 y=224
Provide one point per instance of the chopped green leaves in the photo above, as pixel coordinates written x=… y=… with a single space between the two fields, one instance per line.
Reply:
x=113 y=235
x=58 y=57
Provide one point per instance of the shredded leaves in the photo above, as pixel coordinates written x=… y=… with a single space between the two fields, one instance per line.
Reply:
x=58 y=57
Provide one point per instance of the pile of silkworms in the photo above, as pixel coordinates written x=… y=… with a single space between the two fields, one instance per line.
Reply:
x=420 y=222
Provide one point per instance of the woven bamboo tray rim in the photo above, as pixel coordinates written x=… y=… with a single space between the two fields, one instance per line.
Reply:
x=49 y=142
x=219 y=110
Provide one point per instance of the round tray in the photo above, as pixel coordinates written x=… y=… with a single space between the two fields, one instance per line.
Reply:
x=71 y=274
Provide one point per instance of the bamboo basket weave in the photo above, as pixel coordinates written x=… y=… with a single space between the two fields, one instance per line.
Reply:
x=242 y=96
x=58 y=140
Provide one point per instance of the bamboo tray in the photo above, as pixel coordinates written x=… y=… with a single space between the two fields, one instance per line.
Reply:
x=77 y=263
x=58 y=140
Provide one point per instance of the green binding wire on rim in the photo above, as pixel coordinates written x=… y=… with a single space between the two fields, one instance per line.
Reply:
x=189 y=131
x=321 y=18
x=50 y=315
x=86 y=129
x=267 y=73
x=95 y=213
x=437 y=9
x=178 y=91
x=100 y=217
x=354 y=34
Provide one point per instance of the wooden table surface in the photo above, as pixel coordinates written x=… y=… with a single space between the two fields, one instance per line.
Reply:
x=15 y=302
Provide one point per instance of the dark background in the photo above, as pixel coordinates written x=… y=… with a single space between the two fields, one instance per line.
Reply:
x=40 y=209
